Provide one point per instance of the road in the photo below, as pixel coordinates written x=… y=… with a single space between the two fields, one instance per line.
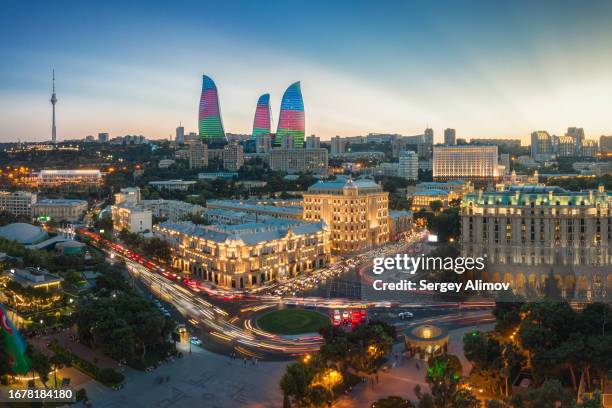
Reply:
x=225 y=319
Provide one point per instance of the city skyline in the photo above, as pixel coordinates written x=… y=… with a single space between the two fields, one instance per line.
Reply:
x=499 y=71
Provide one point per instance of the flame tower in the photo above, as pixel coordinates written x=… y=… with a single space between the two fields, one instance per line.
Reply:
x=262 y=121
x=53 y=102
x=291 y=118
x=209 y=117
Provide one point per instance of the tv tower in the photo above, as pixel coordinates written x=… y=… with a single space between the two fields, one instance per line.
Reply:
x=53 y=102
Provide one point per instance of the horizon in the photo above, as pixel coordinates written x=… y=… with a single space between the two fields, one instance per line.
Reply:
x=488 y=71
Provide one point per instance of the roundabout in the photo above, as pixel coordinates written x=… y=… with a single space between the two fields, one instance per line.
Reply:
x=292 y=321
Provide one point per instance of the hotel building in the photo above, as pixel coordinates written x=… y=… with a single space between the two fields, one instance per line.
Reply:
x=299 y=160
x=528 y=232
x=356 y=211
x=247 y=255
x=467 y=162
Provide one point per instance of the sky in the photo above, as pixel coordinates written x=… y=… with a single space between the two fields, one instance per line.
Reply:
x=486 y=68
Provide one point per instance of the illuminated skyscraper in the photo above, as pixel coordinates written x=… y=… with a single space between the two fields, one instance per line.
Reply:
x=261 y=123
x=291 y=118
x=209 y=118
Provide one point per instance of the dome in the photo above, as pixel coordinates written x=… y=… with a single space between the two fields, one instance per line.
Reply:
x=23 y=233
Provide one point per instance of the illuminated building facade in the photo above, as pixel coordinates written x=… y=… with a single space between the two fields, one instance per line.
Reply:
x=57 y=178
x=60 y=209
x=291 y=119
x=466 y=162
x=356 y=211
x=529 y=232
x=261 y=123
x=209 y=117
x=248 y=255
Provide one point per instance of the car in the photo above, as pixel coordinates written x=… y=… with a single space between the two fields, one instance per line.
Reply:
x=405 y=315
x=195 y=341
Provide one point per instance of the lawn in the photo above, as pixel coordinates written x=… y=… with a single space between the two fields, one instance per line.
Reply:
x=292 y=321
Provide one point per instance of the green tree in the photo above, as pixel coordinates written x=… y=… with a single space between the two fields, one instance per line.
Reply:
x=443 y=376
x=550 y=395
x=436 y=206
x=295 y=382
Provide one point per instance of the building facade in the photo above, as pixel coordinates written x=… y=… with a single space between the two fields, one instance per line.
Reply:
x=18 y=202
x=291 y=120
x=59 y=178
x=313 y=142
x=198 y=155
x=262 y=120
x=60 y=209
x=409 y=165
x=528 y=233
x=356 y=211
x=450 y=137
x=209 y=113
x=233 y=156
x=248 y=255
x=299 y=160
x=469 y=162
x=131 y=218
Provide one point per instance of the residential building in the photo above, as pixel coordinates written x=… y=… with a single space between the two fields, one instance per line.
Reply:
x=313 y=142
x=198 y=155
x=18 y=202
x=263 y=143
x=286 y=142
x=131 y=218
x=541 y=146
x=578 y=135
x=400 y=222
x=506 y=143
x=60 y=209
x=180 y=135
x=356 y=211
x=172 y=210
x=103 y=137
x=338 y=145
x=567 y=146
x=468 y=162
x=605 y=144
x=589 y=148
x=299 y=160
x=233 y=156
x=409 y=165
x=248 y=255
x=449 y=137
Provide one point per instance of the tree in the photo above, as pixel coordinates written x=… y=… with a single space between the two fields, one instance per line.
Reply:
x=549 y=395
x=58 y=361
x=295 y=382
x=39 y=363
x=443 y=376
x=465 y=399
x=436 y=206
x=507 y=312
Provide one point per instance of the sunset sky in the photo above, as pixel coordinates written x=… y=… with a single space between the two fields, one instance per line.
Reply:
x=486 y=68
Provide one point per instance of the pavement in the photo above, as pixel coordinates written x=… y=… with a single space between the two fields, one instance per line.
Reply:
x=199 y=379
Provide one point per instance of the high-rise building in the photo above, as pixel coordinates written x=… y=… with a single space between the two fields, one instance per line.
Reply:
x=192 y=137
x=103 y=137
x=180 y=135
x=449 y=137
x=428 y=136
x=409 y=165
x=541 y=146
x=263 y=143
x=209 y=118
x=578 y=135
x=605 y=144
x=262 y=121
x=53 y=102
x=567 y=146
x=467 y=162
x=313 y=142
x=291 y=119
x=589 y=148
x=356 y=211
x=299 y=160
x=198 y=155
x=337 y=145
x=233 y=156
